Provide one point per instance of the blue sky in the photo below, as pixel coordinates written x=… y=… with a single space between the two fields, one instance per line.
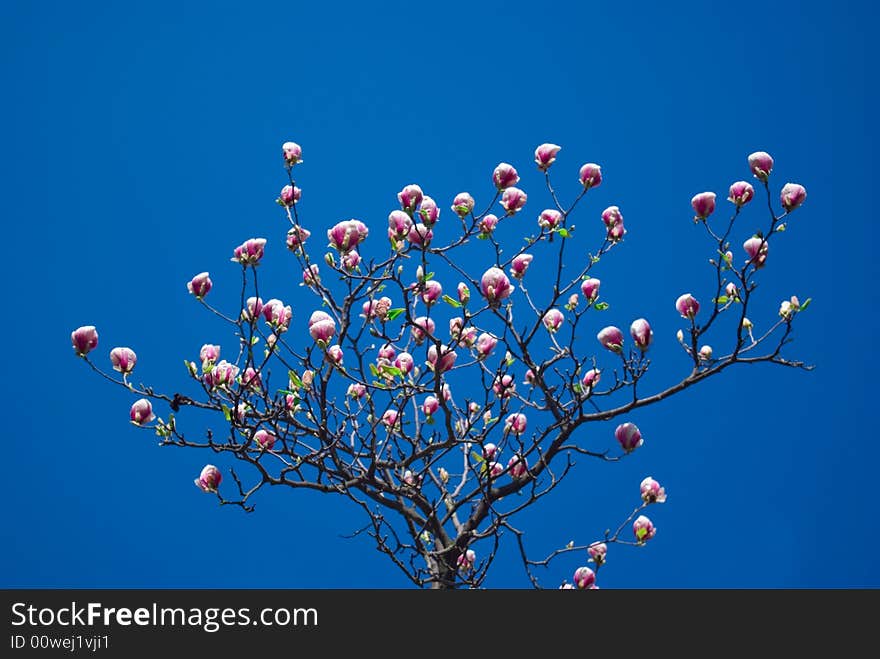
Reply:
x=142 y=145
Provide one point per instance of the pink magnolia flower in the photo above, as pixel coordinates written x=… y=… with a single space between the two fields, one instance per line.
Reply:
x=553 y=320
x=123 y=360
x=652 y=492
x=616 y=232
x=761 y=165
x=495 y=285
x=209 y=354
x=611 y=338
x=222 y=375
x=612 y=216
x=399 y=224
x=485 y=345
x=141 y=412
x=296 y=238
x=350 y=260
x=545 y=155
x=792 y=196
x=503 y=386
x=519 y=265
x=410 y=478
x=643 y=529
x=387 y=351
x=464 y=293
x=376 y=308
x=311 y=275
x=641 y=333
x=466 y=560
x=757 y=249
x=704 y=205
x=515 y=423
x=513 y=200
x=429 y=211
x=420 y=234
x=249 y=252
x=422 y=327
x=584 y=578
x=390 y=419
x=549 y=218
x=741 y=193
x=432 y=293
x=442 y=360
x=405 y=362
x=731 y=291
x=410 y=197
x=490 y=451
x=598 y=552
x=335 y=354
x=430 y=405
x=463 y=204
x=277 y=315
x=591 y=379
x=494 y=469
x=455 y=326
x=687 y=306
x=264 y=439
x=629 y=436
x=200 y=285
x=488 y=223
x=347 y=235
x=209 y=479
x=590 y=175
x=517 y=467
x=705 y=353
x=253 y=307
x=356 y=390
x=292 y=153
x=290 y=194
x=251 y=379
x=590 y=288
x=321 y=326
x=505 y=176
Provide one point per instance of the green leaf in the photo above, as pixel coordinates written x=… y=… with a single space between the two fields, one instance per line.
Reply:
x=806 y=303
x=374 y=370
x=451 y=301
x=600 y=306
x=563 y=232
x=461 y=209
x=476 y=456
x=227 y=413
x=255 y=340
x=482 y=236
x=594 y=259
x=392 y=370
x=394 y=313
x=722 y=299
x=294 y=378
x=577 y=388
x=285 y=391
x=429 y=276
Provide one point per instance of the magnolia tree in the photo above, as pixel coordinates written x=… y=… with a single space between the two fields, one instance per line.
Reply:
x=427 y=402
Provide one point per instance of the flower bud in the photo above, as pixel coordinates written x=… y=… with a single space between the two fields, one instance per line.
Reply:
x=123 y=360
x=430 y=405
x=530 y=378
x=549 y=218
x=612 y=216
x=390 y=419
x=584 y=578
x=463 y=204
x=442 y=360
x=420 y=235
x=485 y=345
x=704 y=205
x=487 y=224
x=495 y=286
x=410 y=478
x=209 y=354
x=264 y=439
x=494 y=469
x=410 y=197
x=611 y=338
x=515 y=423
x=761 y=165
x=503 y=386
x=731 y=291
x=598 y=552
x=321 y=326
x=387 y=351
x=792 y=196
x=399 y=224
x=356 y=390
x=251 y=379
x=590 y=175
x=347 y=235
x=141 y=412
x=519 y=265
x=429 y=212
x=200 y=285
x=249 y=252
x=513 y=200
x=641 y=333
x=741 y=193
x=757 y=249
x=687 y=306
x=444 y=475
x=652 y=492
x=643 y=529
x=553 y=320
x=545 y=155
x=466 y=560
x=786 y=310
x=405 y=363
x=490 y=451
x=505 y=176
x=422 y=327
x=311 y=275
x=292 y=153
x=517 y=467
x=432 y=293
x=296 y=238
x=223 y=374
x=590 y=288
x=209 y=479
x=616 y=232
x=253 y=307
x=705 y=353
x=290 y=194
x=464 y=293
x=629 y=436
x=591 y=379
x=335 y=354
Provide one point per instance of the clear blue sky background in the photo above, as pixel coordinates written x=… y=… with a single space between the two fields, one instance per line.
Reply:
x=142 y=144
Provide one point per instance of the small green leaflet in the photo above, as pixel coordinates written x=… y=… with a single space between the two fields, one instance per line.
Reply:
x=227 y=413
x=394 y=313
x=722 y=299
x=392 y=370
x=806 y=303
x=563 y=232
x=451 y=301
x=600 y=306
x=374 y=370
x=294 y=378
x=476 y=456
